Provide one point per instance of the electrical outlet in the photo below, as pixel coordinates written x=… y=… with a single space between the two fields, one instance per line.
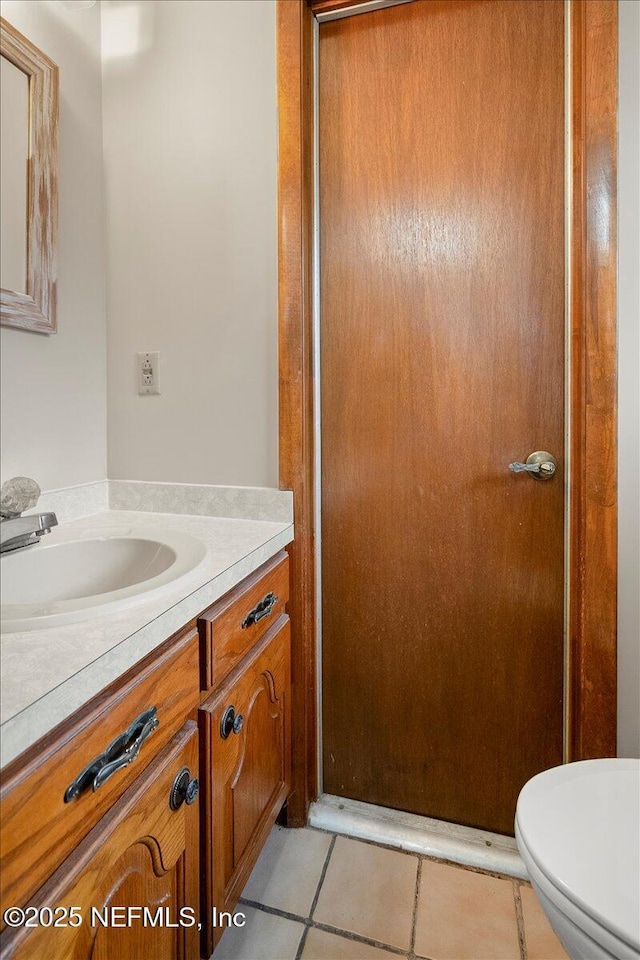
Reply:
x=148 y=372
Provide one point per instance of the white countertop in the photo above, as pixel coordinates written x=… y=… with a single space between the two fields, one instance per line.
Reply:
x=47 y=674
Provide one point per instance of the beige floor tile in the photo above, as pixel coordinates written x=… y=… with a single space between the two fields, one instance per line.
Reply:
x=264 y=937
x=287 y=874
x=465 y=916
x=321 y=945
x=369 y=890
x=542 y=943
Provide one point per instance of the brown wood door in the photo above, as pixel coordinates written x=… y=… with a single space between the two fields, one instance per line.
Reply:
x=442 y=358
x=247 y=773
x=140 y=854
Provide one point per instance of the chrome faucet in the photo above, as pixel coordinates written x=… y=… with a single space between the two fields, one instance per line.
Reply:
x=18 y=531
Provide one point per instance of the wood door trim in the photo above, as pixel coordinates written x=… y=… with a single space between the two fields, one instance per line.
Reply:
x=295 y=24
x=592 y=674
x=592 y=570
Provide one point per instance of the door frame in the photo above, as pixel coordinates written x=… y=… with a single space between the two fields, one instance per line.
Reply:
x=591 y=673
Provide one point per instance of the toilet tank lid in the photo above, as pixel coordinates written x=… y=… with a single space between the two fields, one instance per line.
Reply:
x=580 y=825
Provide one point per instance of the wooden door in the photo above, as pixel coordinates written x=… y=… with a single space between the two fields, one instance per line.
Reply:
x=142 y=853
x=442 y=356
x=246 y=770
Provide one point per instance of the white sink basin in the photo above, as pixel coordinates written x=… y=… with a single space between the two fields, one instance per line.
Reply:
x=62 y=580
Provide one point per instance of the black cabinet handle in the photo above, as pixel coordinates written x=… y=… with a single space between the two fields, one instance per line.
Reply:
x=119 y=754
x=184 y=790
x=231 y=722
x=261 y=609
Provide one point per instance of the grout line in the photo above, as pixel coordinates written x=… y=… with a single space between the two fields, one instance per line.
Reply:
x=303 y=940
x=274 y=911
x=517 y=899
x=412 y=946
x=359 y=938
x=309 y=923
x=463 y=866
x=322 y=876
x=316 y=925
x=292 y=916
x=422 y=856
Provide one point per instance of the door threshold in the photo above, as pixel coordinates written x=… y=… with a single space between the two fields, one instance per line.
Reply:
x=415 y=834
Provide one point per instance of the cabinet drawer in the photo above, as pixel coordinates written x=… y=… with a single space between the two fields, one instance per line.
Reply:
x=143 y=854
x=245 y=770
x=233 y=625
x=38 y=829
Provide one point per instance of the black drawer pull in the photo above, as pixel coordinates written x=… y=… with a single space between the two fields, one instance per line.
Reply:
x=119 y=754
x=231 y=722
x=261 y=609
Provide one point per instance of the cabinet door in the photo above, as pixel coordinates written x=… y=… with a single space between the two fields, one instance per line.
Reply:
x=142 y=854
x=246 y=771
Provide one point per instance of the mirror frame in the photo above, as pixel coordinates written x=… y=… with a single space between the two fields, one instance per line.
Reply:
x=36 y=309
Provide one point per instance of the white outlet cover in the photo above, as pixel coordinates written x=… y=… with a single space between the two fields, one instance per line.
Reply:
x=148 y=367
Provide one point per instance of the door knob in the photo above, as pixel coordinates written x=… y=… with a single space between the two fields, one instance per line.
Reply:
x=540 y=465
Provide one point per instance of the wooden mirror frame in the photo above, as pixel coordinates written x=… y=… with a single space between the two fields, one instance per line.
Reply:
x=36 y=309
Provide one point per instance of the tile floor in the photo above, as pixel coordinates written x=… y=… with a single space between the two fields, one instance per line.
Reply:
x=317 y=896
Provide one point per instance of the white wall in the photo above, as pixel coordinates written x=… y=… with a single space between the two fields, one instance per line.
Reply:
x=190 y=165
x=629 y=375
x=53 y=403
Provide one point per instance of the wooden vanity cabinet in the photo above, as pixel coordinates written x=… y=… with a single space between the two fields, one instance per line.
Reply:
x=245 y=770
x=142 y=853
x=38 y=828
x=245 y=733
x=220 y=693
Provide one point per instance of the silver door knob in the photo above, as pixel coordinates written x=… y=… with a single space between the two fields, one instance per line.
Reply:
x=540 y=465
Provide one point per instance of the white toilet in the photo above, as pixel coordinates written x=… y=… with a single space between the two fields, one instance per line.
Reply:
x=577 y=832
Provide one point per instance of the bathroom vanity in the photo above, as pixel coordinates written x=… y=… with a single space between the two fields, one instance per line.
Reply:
x=159 y=791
